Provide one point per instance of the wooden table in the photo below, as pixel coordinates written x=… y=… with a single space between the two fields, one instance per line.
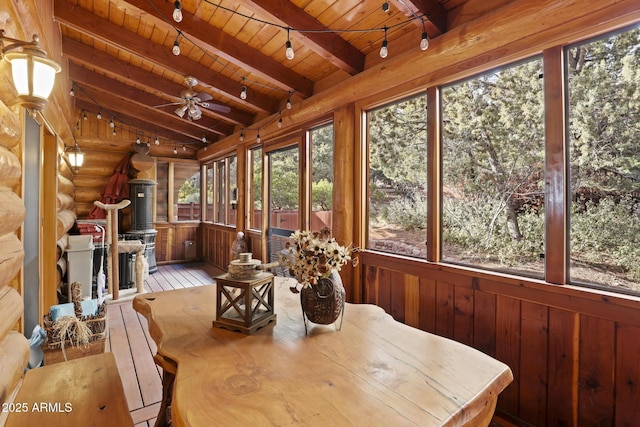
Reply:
x=374 y=372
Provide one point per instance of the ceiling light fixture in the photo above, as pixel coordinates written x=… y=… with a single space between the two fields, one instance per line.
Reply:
x=75 y=156
x=177 y=11
x=424 y=41
x=289 y=48
x=384 y=51
x=32 y=71
x=176 y=47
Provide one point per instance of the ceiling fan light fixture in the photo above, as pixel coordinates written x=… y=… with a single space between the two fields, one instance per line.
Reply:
x=180 y=111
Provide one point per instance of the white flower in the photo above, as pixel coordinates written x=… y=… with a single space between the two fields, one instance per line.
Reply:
x=314 y=255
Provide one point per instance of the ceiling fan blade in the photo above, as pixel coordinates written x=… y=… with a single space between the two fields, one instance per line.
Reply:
x=204 y=96
x=216 y=107
x=166 y=105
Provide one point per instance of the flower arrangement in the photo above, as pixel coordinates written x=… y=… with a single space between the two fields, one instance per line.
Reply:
x=314 y=255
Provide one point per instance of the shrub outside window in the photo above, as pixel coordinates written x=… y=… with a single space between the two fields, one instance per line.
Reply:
x=603 y=135
x=493 y=170
x=397 y=143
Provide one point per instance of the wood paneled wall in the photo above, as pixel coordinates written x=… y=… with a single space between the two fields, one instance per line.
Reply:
x=171 y=238
x=574 y=353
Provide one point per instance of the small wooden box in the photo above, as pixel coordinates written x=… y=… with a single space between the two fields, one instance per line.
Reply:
x=244 y=304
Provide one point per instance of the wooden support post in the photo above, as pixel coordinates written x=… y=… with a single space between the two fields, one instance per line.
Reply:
x=112 y=225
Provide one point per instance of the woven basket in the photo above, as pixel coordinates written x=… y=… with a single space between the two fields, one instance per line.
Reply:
x=97 y=325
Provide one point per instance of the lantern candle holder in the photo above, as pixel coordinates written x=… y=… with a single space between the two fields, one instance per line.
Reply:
x=244 y=305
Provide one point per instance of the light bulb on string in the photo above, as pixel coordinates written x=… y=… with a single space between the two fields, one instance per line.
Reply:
x=175 y=150
x=157 y=141
x=111 y=124
x=84 y=115
x=72 y=92
x=243 y=93
x=177 y=11
x=114 y=132
x=148 y=143
x=138 y=140
x=384 y=51
x=280 y=122
x=424 y=41
x=258 y=139
x=176 y=48
x=241 y=136
x=184 y=147
x=288 y=47
x=288 y=104
x=99 y=116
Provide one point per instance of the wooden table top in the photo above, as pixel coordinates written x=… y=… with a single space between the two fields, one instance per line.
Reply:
x=373 y=372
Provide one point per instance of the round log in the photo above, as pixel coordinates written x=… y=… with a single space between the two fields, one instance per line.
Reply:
x=64 y=202
x=10 y=169
x=11 y=257
x=142 y=162
x=65 y=220
x=12 y=211
x=65 y=185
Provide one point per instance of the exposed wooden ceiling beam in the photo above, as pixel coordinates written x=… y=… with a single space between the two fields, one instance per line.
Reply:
x=436 y=23
x=226 y=46
x=323 y=41
x=144 y=101
x=82 y=54
x=92 y=26
x=83 y=102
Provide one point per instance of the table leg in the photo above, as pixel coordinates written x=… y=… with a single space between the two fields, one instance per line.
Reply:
x=164 y=415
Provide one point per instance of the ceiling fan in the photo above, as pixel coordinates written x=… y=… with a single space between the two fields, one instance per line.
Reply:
x=192 y=101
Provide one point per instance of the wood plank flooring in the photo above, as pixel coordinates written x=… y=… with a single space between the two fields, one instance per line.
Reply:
x=132 y=346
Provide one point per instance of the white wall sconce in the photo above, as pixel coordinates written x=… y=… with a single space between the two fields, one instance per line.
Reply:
x=75 y=156
x=32 y=71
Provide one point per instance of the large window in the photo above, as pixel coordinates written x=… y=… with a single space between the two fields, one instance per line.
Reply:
x=493 y=170
x=604 y=144
x=255 y=189
x=186 y=192
x=397 y=136
x=222 y=191
x=321 y=142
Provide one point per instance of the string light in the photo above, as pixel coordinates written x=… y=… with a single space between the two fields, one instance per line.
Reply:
x=258 y=139
x=114 y=132
x=280 y=121
x=175 y=150
x=138 y=140
x=241 y=136
x=289 y=48
x=111 y=124
x=177 y=11
x=288 y=104
x=184 y=147
x=243 y=93
x=99 y=116
x=84 y=115
x=384 y=51
x=157 y=141
x=72 y=92
x=176 y=47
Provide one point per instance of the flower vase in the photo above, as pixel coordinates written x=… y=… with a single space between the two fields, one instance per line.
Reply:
x=323 y=302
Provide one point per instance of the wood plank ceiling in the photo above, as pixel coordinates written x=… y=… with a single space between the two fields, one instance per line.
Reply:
x=122 y=65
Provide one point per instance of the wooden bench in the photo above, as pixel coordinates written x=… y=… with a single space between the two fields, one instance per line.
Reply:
x=81 y=392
